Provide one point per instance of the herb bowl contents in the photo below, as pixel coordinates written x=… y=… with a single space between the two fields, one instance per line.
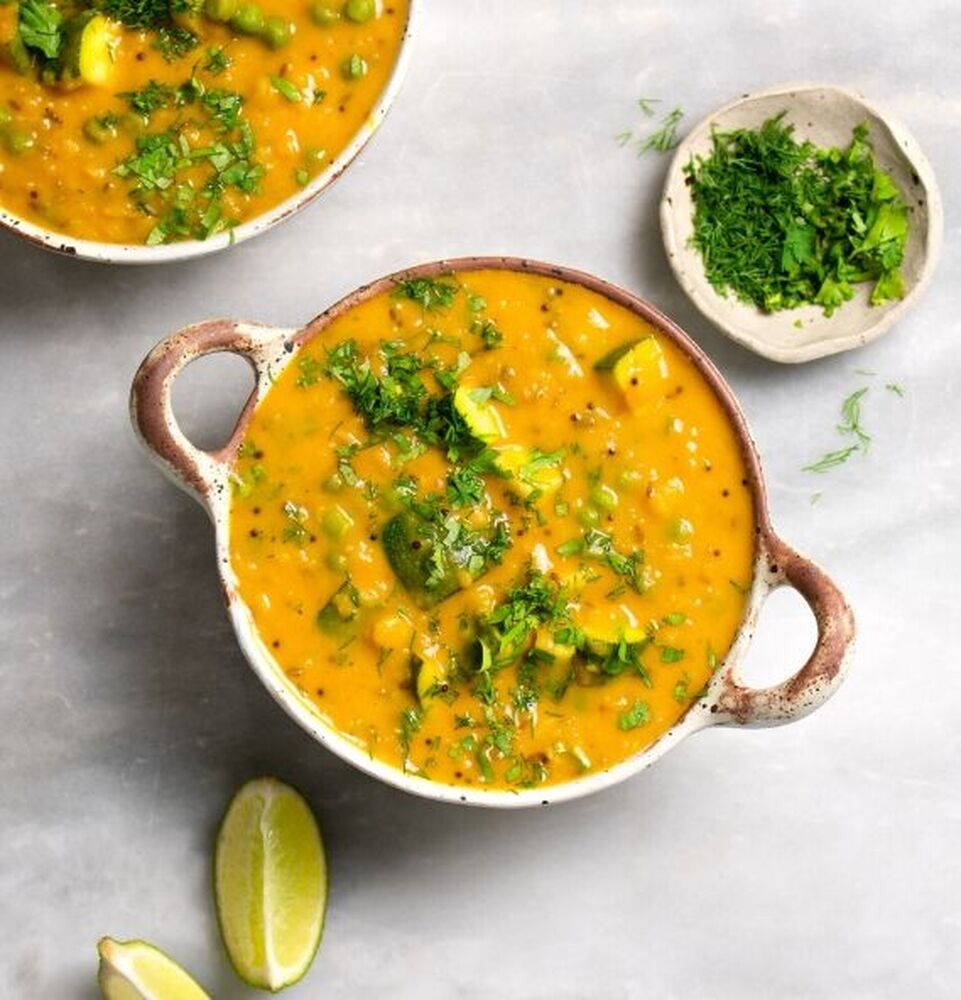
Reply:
x=492 y=530
x=127 y=126
x=801 y=221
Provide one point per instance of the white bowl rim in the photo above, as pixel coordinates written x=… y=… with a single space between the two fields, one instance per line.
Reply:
x=708 y=302
x=137 y=253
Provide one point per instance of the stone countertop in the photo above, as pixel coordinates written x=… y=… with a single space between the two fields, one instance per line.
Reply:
x=818 y=860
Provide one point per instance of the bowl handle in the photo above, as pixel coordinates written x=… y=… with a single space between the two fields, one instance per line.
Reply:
x=820 y=677
x=200 y=473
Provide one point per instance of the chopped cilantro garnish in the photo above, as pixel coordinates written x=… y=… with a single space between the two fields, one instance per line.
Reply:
x=429 y=293
x=40 y=26
x=639 y=714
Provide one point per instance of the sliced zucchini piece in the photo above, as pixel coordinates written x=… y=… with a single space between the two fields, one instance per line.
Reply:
x=606 y=362
x=479 y=413
x=410 y=544
x=641 y=372
x=430 y=678
x=527 y=471
x=604 y=629
x=18 y=56
x=88 y=55
x=558 y=672
x=340 y=610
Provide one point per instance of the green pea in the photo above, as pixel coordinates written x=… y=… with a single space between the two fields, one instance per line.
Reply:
x=353 y=67
x=604 y=497
x=5 y=117
x=336 y=561
x=277 y=32
x=132 y=123
x=680 y=530
x=18 y=55
x=589 y=517
x=249 y=19
x=323 y=15
x=630 y=479
x=337 y=522
x=360 y=11
x=19 y=140
x=100 y=129
x=221 y=10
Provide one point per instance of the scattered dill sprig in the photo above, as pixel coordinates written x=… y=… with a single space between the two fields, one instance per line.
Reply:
x=832 y=459
x=663 y=138
x=850 y=426
x=851 y=418
x=781 y=223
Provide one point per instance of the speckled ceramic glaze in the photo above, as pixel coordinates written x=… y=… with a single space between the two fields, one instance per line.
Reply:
x=826 y=116
x=206 y=476
x=129 y=253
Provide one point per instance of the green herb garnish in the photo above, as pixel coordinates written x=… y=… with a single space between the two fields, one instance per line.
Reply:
x=40 y=26
x=429 y=293
x=782 y=224
x=638 y=714
x=663 y=138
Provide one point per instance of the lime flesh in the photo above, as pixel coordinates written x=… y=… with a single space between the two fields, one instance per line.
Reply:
x=135 y=970
x=270 y=883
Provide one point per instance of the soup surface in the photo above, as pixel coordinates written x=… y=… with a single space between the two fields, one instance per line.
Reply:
x=495 y=527
x=194 y=116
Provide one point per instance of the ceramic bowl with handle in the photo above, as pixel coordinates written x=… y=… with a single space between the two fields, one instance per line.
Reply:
x=728 y=701
x=130 y=253
x=825 y=115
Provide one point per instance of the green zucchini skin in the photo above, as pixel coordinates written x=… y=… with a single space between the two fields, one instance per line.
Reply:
x=607 y=362
x=409 y=543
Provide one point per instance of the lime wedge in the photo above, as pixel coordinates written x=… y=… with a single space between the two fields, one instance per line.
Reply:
x=135 y=970
x=270 y=880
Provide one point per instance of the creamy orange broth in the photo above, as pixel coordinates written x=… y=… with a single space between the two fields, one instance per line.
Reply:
x=54 y=174
x=666 y=478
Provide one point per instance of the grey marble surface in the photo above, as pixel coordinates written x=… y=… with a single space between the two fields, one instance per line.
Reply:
x=818 y=860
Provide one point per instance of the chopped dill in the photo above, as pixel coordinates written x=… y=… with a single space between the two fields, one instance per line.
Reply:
x=662 y=139
x=781 y=223
x=832 y=459
x=851 y=418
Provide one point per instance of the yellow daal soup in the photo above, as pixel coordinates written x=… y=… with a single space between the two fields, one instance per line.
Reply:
x=495 y=526
x=152 y=121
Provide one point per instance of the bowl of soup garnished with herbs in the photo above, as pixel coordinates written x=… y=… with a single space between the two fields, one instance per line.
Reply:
x=493 y=531
x=162 y=129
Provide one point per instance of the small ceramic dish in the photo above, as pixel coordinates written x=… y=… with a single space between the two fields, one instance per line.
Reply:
x=123 y=253
x=826 y=116
x=727 y=701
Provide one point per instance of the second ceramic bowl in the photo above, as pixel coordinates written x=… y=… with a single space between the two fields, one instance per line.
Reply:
x=826 y=116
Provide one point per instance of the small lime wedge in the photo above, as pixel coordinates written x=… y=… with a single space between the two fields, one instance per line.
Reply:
x=270 y=880
x=135 y=970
